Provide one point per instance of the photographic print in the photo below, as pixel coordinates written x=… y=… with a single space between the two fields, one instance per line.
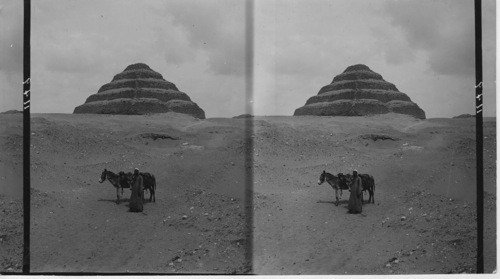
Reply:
x=265 y=137
x=138 y=165
x=365 y=147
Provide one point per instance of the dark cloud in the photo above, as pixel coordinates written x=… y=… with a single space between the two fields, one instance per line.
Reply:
x=219 y=32
x=444 y=29
x=174 y=46
x=397 y=55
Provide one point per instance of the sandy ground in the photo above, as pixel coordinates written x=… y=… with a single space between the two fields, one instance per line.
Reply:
x=11 y=192
x=422 y=221
x=196 y=225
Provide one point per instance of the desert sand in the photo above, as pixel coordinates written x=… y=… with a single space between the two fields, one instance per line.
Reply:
x=196 y=225
x=422 y=221
x=11 y=192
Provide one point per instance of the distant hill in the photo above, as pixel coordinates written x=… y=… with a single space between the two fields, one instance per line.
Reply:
x=243 y=116
x=465 y=115
x=12 y=111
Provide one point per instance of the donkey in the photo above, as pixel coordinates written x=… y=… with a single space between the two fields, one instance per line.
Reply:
x=367 y=181
x=335 y=182
x=119 y=181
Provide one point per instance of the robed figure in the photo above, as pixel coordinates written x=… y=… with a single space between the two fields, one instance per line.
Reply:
x=137 y=195
x=355 y=198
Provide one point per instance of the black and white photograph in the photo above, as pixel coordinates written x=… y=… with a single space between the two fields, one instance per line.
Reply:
x=383 y=91
x=138 y=165
x=248 y=137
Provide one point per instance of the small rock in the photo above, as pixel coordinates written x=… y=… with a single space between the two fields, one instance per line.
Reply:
x=403 y=218
x=184 y=217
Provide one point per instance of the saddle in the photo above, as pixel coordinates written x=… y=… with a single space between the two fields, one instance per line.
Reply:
x=345 y=181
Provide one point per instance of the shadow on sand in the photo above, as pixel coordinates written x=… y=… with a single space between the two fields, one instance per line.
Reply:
x=114 y=201
x=333 y=202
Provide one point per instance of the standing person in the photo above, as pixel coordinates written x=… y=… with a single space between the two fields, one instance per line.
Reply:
x=355 y=203
x=136 y=198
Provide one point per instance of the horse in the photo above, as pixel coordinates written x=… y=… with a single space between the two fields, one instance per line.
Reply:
x=367 y=181
x=119 y=181
x=149 y=183
x=334 y=181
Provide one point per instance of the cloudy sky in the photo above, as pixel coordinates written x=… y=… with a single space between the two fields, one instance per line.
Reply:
x=77 y=46
x=426 y=48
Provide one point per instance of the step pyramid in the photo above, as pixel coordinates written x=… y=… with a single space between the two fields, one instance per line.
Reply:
x=359 y=91
x=139 y=90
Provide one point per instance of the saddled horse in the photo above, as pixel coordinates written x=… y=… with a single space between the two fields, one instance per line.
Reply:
x=335 y=182
x=119 y=181
x=149 y=183
x=367 y=182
